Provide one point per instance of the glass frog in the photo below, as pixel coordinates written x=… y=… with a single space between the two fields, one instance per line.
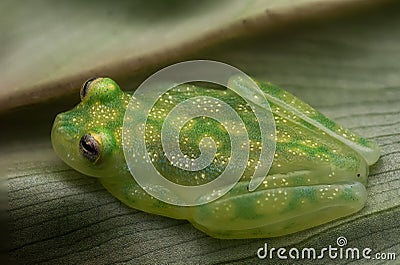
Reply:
x=318 y=173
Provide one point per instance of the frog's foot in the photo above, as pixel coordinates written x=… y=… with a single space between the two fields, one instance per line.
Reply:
x=278 y=211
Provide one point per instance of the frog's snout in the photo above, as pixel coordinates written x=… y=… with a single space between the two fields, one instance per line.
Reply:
x=57 y=133
x=61 y=138
x=55 y=130
x=58 y=129
x=63 y=127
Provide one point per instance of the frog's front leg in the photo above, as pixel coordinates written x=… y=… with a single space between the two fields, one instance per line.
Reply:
x=269 y=212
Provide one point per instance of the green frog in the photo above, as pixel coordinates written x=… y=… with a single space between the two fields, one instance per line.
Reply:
x=318 y=172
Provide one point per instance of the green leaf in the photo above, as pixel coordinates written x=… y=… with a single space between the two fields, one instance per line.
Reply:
x=343 y=58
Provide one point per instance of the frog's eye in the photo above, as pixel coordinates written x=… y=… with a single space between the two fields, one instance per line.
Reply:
x=86 y=87
x=90 y=147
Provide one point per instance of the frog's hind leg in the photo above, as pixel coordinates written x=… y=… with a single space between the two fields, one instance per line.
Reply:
x=278 y=211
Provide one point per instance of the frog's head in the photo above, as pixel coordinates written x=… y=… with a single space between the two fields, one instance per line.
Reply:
x=88 y=137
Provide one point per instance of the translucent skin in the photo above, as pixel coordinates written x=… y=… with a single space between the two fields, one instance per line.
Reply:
x=318 y=173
